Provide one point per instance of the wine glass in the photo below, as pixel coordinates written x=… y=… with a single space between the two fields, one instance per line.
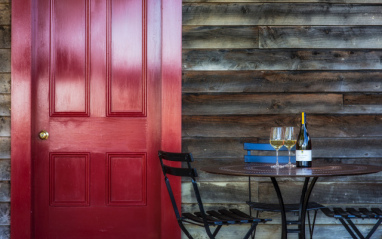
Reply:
x=290 y=139
x=277 y=141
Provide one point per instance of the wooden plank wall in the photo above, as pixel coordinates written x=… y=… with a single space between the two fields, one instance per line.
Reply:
x=5 y=119
x=252 y=64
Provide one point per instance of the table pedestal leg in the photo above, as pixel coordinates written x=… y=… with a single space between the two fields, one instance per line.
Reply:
x=305 y=194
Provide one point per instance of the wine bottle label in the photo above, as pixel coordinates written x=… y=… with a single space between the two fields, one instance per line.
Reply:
x=304 y=171
x=303 y=155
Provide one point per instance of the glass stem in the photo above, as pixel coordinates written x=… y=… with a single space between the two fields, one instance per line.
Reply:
x=289 y=156
x=277 y=157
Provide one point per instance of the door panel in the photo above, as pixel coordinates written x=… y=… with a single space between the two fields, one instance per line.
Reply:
x=126 y=62
x=97 y=174
x=69 y=59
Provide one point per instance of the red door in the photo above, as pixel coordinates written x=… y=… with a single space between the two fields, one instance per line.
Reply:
x=96 y=90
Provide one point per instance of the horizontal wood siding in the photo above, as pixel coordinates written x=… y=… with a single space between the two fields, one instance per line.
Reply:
x=252 y=64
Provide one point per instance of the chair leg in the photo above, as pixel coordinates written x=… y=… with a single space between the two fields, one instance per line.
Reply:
x=373 y=229
x=185 y=231
x=348 y=228
x=251 y=230
x=311 y=226
x=216 y=231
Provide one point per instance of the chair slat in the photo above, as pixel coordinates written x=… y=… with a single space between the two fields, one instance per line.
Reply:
x=177 y=157
x=209 y=218
x=377 y=211
x=182 y=172
x=192 y=217
x=367 y=212
x=356 y=213
x=221 y=217
x=342 y=213
x=327 y=212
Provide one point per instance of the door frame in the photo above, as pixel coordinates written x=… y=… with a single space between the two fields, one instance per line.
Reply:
x=21 y=112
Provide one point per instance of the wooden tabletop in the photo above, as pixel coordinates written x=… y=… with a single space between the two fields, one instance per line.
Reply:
x=317 y=170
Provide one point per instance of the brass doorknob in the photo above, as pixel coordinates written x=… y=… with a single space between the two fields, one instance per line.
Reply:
x=43 y=135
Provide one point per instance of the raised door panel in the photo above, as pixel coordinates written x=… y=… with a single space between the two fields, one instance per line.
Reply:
x=69 y=179
x=126 y=179
x=69 y=58
x=126 y=58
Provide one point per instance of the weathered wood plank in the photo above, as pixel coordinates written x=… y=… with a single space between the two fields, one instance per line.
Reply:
x=322 y=147
x=215 y=147
x=5 y=126
x=325 y=192
x=5 y=104
x=5 y=13
x=223 y=192
x=260 y=59
x=5 y=232
x=321 y=37
x=363 y=99
x=5 y=147
x=5 y=37
x=234 y=104
x=5 y=210
x=5 y=83
x=5 y=59
x=281 y=81
x=283 y=14
x=220 y=37
x=5 y=191
x=5 y=169
x=347 y=126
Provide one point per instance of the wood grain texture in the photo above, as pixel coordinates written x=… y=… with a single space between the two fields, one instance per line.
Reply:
x=281 y=81
x=5 y=169
x=5 y=105
x=226 y=148
x=223 y=192
x=5 y=83
x=260 y=59
x=326 y=193
x=5 y=126
x=313 y=55
x=368 y=37
x=5 y=13
x=227 y=104
x=284 y=14
x=363 y=99
x=5 y=191
x=5 y=37
x=5 y=148
x=5 y=59
x=220 y=37
x=5 y=211
x=257 y=126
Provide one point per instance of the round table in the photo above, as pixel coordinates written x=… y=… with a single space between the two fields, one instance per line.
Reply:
x=314 y=172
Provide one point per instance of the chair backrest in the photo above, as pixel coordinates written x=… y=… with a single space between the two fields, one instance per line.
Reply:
x=187 y=171
x=254 y=154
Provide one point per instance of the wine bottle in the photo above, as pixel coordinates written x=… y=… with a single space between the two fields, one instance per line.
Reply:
x=303 y=146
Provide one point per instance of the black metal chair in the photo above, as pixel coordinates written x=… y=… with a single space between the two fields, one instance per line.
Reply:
x=346 y=217
x=257 y=157
x=206 y=219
